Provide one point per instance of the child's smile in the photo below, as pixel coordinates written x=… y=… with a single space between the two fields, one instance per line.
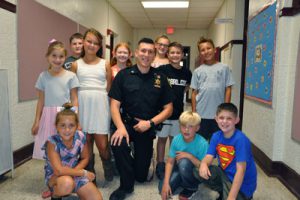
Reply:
x=226 y=121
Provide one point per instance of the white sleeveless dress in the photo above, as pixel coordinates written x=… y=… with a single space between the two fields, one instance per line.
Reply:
x=93 y=104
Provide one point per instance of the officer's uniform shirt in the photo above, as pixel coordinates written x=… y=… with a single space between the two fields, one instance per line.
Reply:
x=141 y=95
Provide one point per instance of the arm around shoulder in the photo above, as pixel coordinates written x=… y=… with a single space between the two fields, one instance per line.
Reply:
x=74 y=67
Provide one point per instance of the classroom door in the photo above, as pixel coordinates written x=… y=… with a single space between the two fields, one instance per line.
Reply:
x=185 y=62
x=5 y=140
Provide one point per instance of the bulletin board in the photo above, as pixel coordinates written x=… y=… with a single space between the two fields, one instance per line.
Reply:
x=260 y=55
x=36 y=26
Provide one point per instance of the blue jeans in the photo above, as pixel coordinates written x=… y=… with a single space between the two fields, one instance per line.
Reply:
x=182 y=176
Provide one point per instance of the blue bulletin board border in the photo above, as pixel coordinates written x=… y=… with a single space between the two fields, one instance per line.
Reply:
x=261 y=38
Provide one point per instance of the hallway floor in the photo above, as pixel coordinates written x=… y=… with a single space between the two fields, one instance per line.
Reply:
x=28 y=182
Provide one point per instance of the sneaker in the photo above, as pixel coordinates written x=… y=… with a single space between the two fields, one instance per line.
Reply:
x=160 y=170
x=119 y=194
x=186 y=194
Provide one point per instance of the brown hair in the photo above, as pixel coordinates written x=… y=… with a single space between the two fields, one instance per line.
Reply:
x=204 y=40
x=98 y=36
x=114 y=59
x=75 y=36
x=230 y=107
x=68 y=110
x=175 y=44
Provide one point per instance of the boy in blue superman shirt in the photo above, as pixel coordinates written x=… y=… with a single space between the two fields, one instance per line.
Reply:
x=236 y=175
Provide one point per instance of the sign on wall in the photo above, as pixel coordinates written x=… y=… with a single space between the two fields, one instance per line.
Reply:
x=260 y=55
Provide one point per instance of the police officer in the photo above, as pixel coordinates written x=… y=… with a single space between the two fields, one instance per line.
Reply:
x=140 y=92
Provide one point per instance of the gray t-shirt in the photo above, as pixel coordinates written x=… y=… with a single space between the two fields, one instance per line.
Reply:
x=210 y=81
x=57 y=88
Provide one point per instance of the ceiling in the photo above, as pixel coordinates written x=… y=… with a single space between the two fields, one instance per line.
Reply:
x=198 y=16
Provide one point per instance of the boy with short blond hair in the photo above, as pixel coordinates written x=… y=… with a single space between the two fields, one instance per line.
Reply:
x=186 y=152
x=236 y=175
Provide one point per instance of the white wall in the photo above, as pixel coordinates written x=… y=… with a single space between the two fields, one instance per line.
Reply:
x=269 y=128
x=93 y=13
x=223 y=33
x=187 y=37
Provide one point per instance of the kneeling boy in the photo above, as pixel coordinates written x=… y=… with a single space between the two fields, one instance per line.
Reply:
x=236 y=176
x=186 y=152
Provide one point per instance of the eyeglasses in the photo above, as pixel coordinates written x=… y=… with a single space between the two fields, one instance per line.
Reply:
x=162 y=45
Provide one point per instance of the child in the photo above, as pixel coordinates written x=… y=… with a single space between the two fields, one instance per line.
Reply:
x=76 y=44
x=121 y=58
x=235 y=178
x=55 y=86
x=94 y=75
x=211 y=84
x=179 y=78
x=186 y=152
x=66 y=156
x=161 y=45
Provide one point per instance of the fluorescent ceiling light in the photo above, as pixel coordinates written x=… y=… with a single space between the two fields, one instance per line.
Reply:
x=165 y=4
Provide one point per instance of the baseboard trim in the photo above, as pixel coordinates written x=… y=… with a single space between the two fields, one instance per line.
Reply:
x=22 y=155
x=287 y=176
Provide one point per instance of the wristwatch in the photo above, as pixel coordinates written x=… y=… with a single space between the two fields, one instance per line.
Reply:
x=152 y=124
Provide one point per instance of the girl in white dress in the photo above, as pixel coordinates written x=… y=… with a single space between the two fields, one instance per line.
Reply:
x=94 y=75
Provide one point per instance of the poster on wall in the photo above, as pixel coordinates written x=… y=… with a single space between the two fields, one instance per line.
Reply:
x=260 y=55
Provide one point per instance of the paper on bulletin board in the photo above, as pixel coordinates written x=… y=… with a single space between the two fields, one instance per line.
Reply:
x=260 y=55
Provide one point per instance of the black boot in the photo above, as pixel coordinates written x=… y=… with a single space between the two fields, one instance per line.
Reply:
x=91 y=167
x=114 y=165
x=56 y=198
x=108 y=169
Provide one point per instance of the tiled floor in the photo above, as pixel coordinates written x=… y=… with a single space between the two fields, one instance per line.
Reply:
x=28 y=182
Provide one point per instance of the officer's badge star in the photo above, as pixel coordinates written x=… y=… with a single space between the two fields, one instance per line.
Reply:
x=157 y=81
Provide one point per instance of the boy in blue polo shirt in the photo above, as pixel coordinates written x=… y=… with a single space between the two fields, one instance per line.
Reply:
x=236 y=175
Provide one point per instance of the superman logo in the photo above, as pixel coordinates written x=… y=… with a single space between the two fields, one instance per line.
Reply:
x=226 y=155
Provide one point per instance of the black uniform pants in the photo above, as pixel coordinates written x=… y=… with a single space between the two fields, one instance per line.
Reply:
x=134 y=166
x=207 y=128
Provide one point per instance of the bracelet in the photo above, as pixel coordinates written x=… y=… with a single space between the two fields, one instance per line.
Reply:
x=85 y=173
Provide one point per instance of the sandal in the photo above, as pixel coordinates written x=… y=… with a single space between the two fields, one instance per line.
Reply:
x=47 y=193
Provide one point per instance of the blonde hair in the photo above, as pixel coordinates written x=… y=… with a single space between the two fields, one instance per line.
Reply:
x=56 y=45
x=189 y=118
x=161 y=37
